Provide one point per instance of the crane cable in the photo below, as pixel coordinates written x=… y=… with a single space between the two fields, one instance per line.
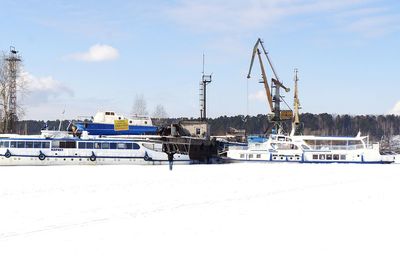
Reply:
x=247 y=97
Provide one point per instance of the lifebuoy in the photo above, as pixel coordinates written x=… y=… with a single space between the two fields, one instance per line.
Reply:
x=92 y=157
x=7 y=154
x=42 y=156
x=147 y=157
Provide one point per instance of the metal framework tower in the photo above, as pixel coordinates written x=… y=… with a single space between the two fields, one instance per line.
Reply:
x=205 y=79
x=11 y=117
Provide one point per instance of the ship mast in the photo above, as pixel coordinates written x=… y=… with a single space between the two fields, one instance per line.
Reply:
x=296 y=105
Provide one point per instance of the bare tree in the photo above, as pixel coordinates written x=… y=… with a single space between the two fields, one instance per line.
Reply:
x=160 y=112
x=139 y=106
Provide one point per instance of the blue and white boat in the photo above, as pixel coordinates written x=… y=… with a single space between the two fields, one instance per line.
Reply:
x=61 y=148
x=309 y=149
x=103 y=123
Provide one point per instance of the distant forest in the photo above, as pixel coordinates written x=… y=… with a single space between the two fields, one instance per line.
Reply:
x=376 y=126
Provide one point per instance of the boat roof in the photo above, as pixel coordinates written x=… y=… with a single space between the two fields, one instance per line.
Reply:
x=310 y=137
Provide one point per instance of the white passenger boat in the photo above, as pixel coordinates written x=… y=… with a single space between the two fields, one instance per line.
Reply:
x=55 y=147
x=308 y=149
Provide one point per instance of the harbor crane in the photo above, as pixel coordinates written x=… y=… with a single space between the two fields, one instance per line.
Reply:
x=274 y=100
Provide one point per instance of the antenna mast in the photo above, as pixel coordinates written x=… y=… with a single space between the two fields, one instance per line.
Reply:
x=205 y=79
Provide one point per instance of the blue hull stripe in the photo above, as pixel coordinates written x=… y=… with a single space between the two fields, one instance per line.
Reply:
x=88 y=157
x=314 y=162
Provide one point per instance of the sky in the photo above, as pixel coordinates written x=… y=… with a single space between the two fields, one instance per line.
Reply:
x=88 y=56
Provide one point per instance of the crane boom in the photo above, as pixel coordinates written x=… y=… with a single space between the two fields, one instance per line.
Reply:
x=255 y=49
x=269 y=59
x=265 y=82
x=263 y=73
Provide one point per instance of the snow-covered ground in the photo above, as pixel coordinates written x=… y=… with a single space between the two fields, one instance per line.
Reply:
x=241 y=214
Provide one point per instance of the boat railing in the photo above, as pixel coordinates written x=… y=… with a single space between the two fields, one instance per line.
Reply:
x=238 y=148
x=340 y=147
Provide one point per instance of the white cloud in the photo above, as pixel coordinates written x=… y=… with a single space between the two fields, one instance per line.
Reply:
x=259 y=95
x=96 y=53
x=361 y=16
x=396 y=109
x=375 y=26
x=42 y=89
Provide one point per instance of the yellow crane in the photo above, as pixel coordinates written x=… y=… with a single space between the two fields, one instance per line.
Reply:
x=273 y=99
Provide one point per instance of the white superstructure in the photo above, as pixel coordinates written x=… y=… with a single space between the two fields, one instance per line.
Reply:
x=109 y=117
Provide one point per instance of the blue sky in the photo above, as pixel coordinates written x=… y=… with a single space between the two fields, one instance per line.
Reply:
x=85 y=56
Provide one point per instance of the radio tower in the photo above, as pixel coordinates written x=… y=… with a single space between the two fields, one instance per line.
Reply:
x=205 y=79
x=13 y=60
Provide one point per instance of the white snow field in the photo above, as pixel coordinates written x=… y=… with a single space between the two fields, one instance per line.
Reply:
x=237 y=214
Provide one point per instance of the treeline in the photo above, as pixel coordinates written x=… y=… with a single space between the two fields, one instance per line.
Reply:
x=376 y=126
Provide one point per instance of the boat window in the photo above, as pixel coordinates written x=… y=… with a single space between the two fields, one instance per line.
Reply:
x=121 y=146
x=46 y=145
x=135 y=146
x=322 y=156
x=113 y=145
x=4 y=144
x=55 y=144
x=89 y=145
x=112 y=113
x=107 y=113
x=242 y=155
x=37 y=145
x=315 y=156
x=250 y=156
x=355 y=142
x=329 y=156
x=336 y=157
x=97 y=145
x=284 y=146
x=13 y=144
x=129 y=146
x=258 y=156
x=29 y=144
x=68 y=144
x=105 y=145
x=21 y=144
x=305 y=147
x=82 y=145
x=342 y=156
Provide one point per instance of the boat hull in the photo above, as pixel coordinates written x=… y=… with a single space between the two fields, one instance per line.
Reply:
x=85 y=160
x=109 y=130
